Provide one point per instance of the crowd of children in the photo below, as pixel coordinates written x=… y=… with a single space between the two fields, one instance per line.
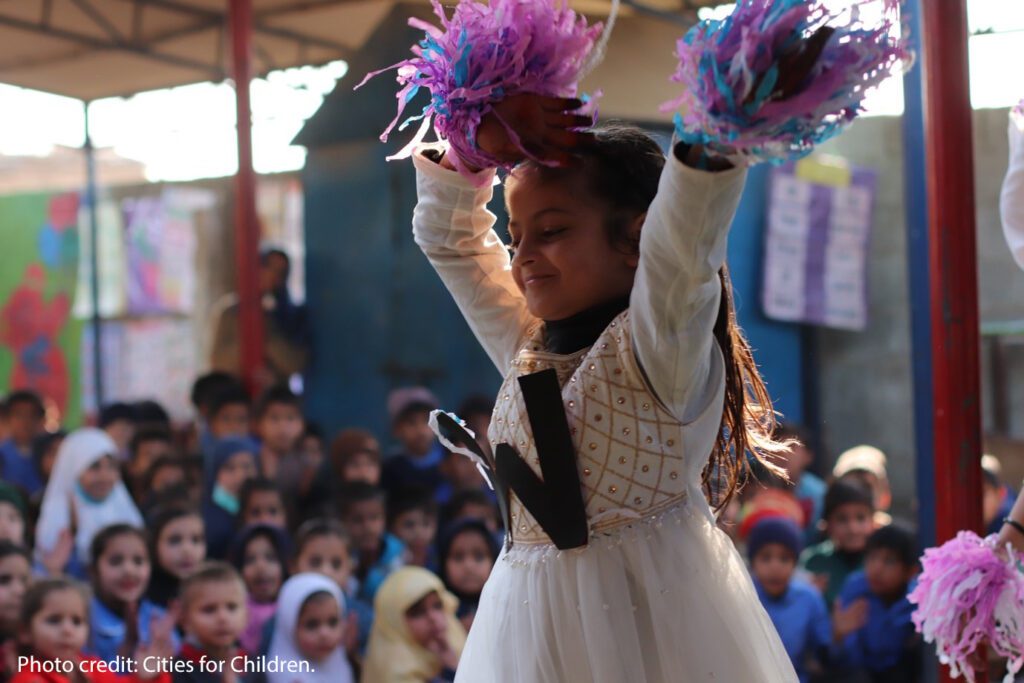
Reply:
x=250 y=535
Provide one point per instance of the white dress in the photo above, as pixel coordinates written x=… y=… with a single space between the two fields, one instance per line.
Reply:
x=1011 y=200
x=659 y=594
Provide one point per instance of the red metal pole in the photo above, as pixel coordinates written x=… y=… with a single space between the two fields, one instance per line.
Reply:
x=953 y=269
x=247 y=229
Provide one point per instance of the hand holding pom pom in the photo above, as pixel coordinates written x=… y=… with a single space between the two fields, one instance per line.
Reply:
x=777 y=77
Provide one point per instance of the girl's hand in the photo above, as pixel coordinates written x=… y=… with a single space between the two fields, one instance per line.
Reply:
x=545 y=127
x=440 y=647
x=57 y=558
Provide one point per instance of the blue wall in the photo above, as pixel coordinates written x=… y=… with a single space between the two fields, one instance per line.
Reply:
x=382 y=319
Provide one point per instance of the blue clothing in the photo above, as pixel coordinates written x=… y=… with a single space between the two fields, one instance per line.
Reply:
x=20 y=469
x=887 y=642
x=402 y=470
x=392 y=557
x=1009 y=498
x=220 y=529
x=812 y=488
x=801 y=618
x=107 y=629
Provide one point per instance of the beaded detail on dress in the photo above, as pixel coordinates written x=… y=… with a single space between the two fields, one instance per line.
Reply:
x=629 y=448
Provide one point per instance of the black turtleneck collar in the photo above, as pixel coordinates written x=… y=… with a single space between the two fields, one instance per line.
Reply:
x=579 y=331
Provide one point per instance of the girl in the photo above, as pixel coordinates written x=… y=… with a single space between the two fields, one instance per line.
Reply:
x=416 y=637
x=54 y=626
x=468 y=552
x=262 y=502
x=260 y=554
x=310 y=626
x=233 y=463
x=12 y=514
x=614 y=287
x=85 y=494
x=15 y=578
x=178 y=547
x=119 y=617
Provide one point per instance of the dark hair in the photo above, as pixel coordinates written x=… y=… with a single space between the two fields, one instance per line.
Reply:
x=350 y=442
x=151 y=413
x=792 y=431
x=316 y=528
x=211 y=571
x=461 y=499
x=42 y=443
x=107 y=534
x=207 y=385
x=990 y=479
x=37 y=593
x=159 y=464
x=9 y=548
x=257 y=485
x=623 y=167
x=148 y=434
x=843 y=492
x=26 y=396
x=230 y=395
x=278 y=541
x=447 y=538
x=266 y=253
x=409 y=498
x=476 y=404
x=160 y=517
x=896 y=538
x=353 y=492
x=313 y=429
x=115 y=412
x=279 y=394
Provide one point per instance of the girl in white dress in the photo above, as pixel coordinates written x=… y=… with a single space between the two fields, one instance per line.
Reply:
x=614 y=569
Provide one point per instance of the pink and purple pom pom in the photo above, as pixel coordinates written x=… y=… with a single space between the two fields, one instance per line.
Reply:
x=729 y=69
x=484 y=53
x=968 y=595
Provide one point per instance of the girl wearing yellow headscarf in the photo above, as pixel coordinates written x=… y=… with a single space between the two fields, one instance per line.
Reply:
x=415 y=636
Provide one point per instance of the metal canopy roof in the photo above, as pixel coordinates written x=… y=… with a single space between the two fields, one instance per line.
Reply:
x=90 y=49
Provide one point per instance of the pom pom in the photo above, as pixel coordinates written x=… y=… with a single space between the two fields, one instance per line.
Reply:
x=485 y=53
x=729 y=69
x=968 y=595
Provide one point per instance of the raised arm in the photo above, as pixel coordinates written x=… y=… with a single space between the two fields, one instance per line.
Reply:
x=454 y=228
x=676 y=293
x=1011 y=204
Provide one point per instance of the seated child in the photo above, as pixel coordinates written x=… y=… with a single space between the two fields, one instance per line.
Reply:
x=234 y=462
x=468 y=551
x=412 y=518
x=147 y=446
x=54 y=627
x=178 y=546
x=25 y=416
x=377 y=552
x=310 y=626
x=118 y=421
x=996 y=497
x=278 y=425
x=262 y=502
x=885 y=645
x=212 y=615
x=121 y=620
x=260 y=554
x=848 y=523
x=12 y=514
x=867 y=465
x=355 y=456
x=15 y=578
x=228 y=413
x=44 y=455
x=418 y=460
x=474 y=504
x=416 y=637
x=795 y=607
x=164 y=481
x=808 y=487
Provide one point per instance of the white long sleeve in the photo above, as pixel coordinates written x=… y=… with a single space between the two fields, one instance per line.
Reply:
x=453 y=227
x=676 y=293
x=1011 y=200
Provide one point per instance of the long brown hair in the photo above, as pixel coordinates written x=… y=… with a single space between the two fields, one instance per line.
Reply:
x=623 y=167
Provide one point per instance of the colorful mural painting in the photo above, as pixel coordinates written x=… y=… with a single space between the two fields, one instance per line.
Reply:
x=39 y=340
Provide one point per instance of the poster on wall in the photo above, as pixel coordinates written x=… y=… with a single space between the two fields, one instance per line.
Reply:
x=39 y=339
x=816 y=244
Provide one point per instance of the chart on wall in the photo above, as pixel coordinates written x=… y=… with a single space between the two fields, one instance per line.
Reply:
x=39 y=339
x=816 y=244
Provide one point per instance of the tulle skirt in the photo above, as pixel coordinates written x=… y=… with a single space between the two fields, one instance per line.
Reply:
x=663 y=600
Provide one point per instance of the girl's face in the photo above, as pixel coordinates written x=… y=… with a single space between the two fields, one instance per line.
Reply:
x=15 y=576
x=468 y=563
x=99 y=479
x=122 y=570
x=320 y=629
x=265 y=507
x=60 y=628
x=415 y=528
x=238 y=468
x=181 y=545
x=327 y=555
x=261 y=569
x=12 y=524
x=426 y=620
x=563 y=260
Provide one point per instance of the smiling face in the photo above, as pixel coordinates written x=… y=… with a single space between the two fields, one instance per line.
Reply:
x=122 y=571
x=261 y=569
x=99 y=479
x=563 y=259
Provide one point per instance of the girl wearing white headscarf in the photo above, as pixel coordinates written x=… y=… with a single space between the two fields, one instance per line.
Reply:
x=68 y=507
x=295 y=595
